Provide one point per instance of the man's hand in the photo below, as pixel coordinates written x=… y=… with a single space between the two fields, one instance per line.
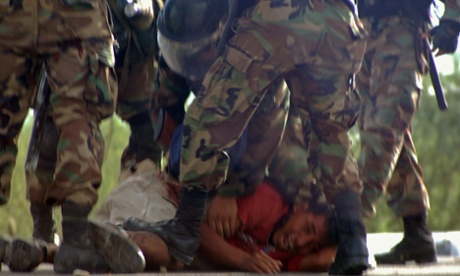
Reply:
x=222 y=216
x=444 y=36
x=261 y=263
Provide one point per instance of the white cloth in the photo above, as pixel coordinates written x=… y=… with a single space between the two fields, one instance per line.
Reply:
x=141 y=194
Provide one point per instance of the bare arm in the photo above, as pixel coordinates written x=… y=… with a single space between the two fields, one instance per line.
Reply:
x=319 y=261
x=220 y=251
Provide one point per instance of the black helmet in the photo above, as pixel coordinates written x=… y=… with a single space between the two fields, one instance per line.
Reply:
x=188 y=34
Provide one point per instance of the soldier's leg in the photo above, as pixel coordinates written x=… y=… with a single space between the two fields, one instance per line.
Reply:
x=389 y=106
x=408 y=198
x=264 y=131
x=40 y=180
x=134 y=106
x=83 y=93
x=406 y=193
x=210 y=126
x=325 y=93
x=249 y=157
x=289 y=170
x=216 y=119
x=17 y=81
x=214 y=122
x=336 y=171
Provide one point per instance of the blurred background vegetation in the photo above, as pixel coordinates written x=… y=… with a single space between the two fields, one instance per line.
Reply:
x=436 y=135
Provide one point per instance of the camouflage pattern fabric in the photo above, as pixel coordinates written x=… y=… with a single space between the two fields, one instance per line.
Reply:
x=265 y=132
x=303 y=160
x=134 y=105
x=390 y=83
x=39 y=180
x=171 y=92
x=72 y=38
x=136 y=96
x=290 y=169
x=171 y=95
x=136 y=69
x=314 y=45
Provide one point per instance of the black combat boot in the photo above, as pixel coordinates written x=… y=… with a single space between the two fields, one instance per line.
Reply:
x=182 y=233
x=417 y=244
x=93 y=247
x=77 y=250
x=24 y=255
x=42 y=217
x=348 y=230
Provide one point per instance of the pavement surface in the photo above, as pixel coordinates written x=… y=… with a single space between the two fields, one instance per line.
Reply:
x=448 y=245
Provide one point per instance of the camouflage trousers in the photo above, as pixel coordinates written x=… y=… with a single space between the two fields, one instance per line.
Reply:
x=264 y=134
x=270 y=117
x=136 y=95
x=72 y=40
x=303 y=167
x=390 y=84
x=134 y=105
x=315 y=46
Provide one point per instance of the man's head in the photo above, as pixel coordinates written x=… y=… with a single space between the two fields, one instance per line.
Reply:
x=304 y=231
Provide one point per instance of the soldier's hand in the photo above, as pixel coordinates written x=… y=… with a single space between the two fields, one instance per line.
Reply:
x=445 y=37
x=222 y=215
x=261 y=263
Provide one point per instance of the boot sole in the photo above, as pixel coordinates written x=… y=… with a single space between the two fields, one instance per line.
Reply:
x=418 y=260
x=355 y=266
x=355 y=270
x=425 y=260
x=403 y=259
x=22 y=255
x=120 y=253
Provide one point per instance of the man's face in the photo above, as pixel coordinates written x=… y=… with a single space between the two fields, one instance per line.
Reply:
x=303 y=232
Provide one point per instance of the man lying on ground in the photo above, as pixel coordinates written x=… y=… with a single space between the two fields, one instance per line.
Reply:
x=271 y=236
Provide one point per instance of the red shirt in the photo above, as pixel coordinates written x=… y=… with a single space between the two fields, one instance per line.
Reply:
x=259 y=213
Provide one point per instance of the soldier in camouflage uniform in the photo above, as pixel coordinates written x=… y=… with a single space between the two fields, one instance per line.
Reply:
x=171 y=95
x=320 y=42
x=390 y=83
x=72 y=40
x=135 y=57
x=174 y=87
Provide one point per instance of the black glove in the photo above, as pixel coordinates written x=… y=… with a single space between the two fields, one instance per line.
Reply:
x=445 y=36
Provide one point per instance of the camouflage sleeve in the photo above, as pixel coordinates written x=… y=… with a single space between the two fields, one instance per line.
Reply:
x=231 y=189
x=171 y=92
x=451 y=10
x=238 y=184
